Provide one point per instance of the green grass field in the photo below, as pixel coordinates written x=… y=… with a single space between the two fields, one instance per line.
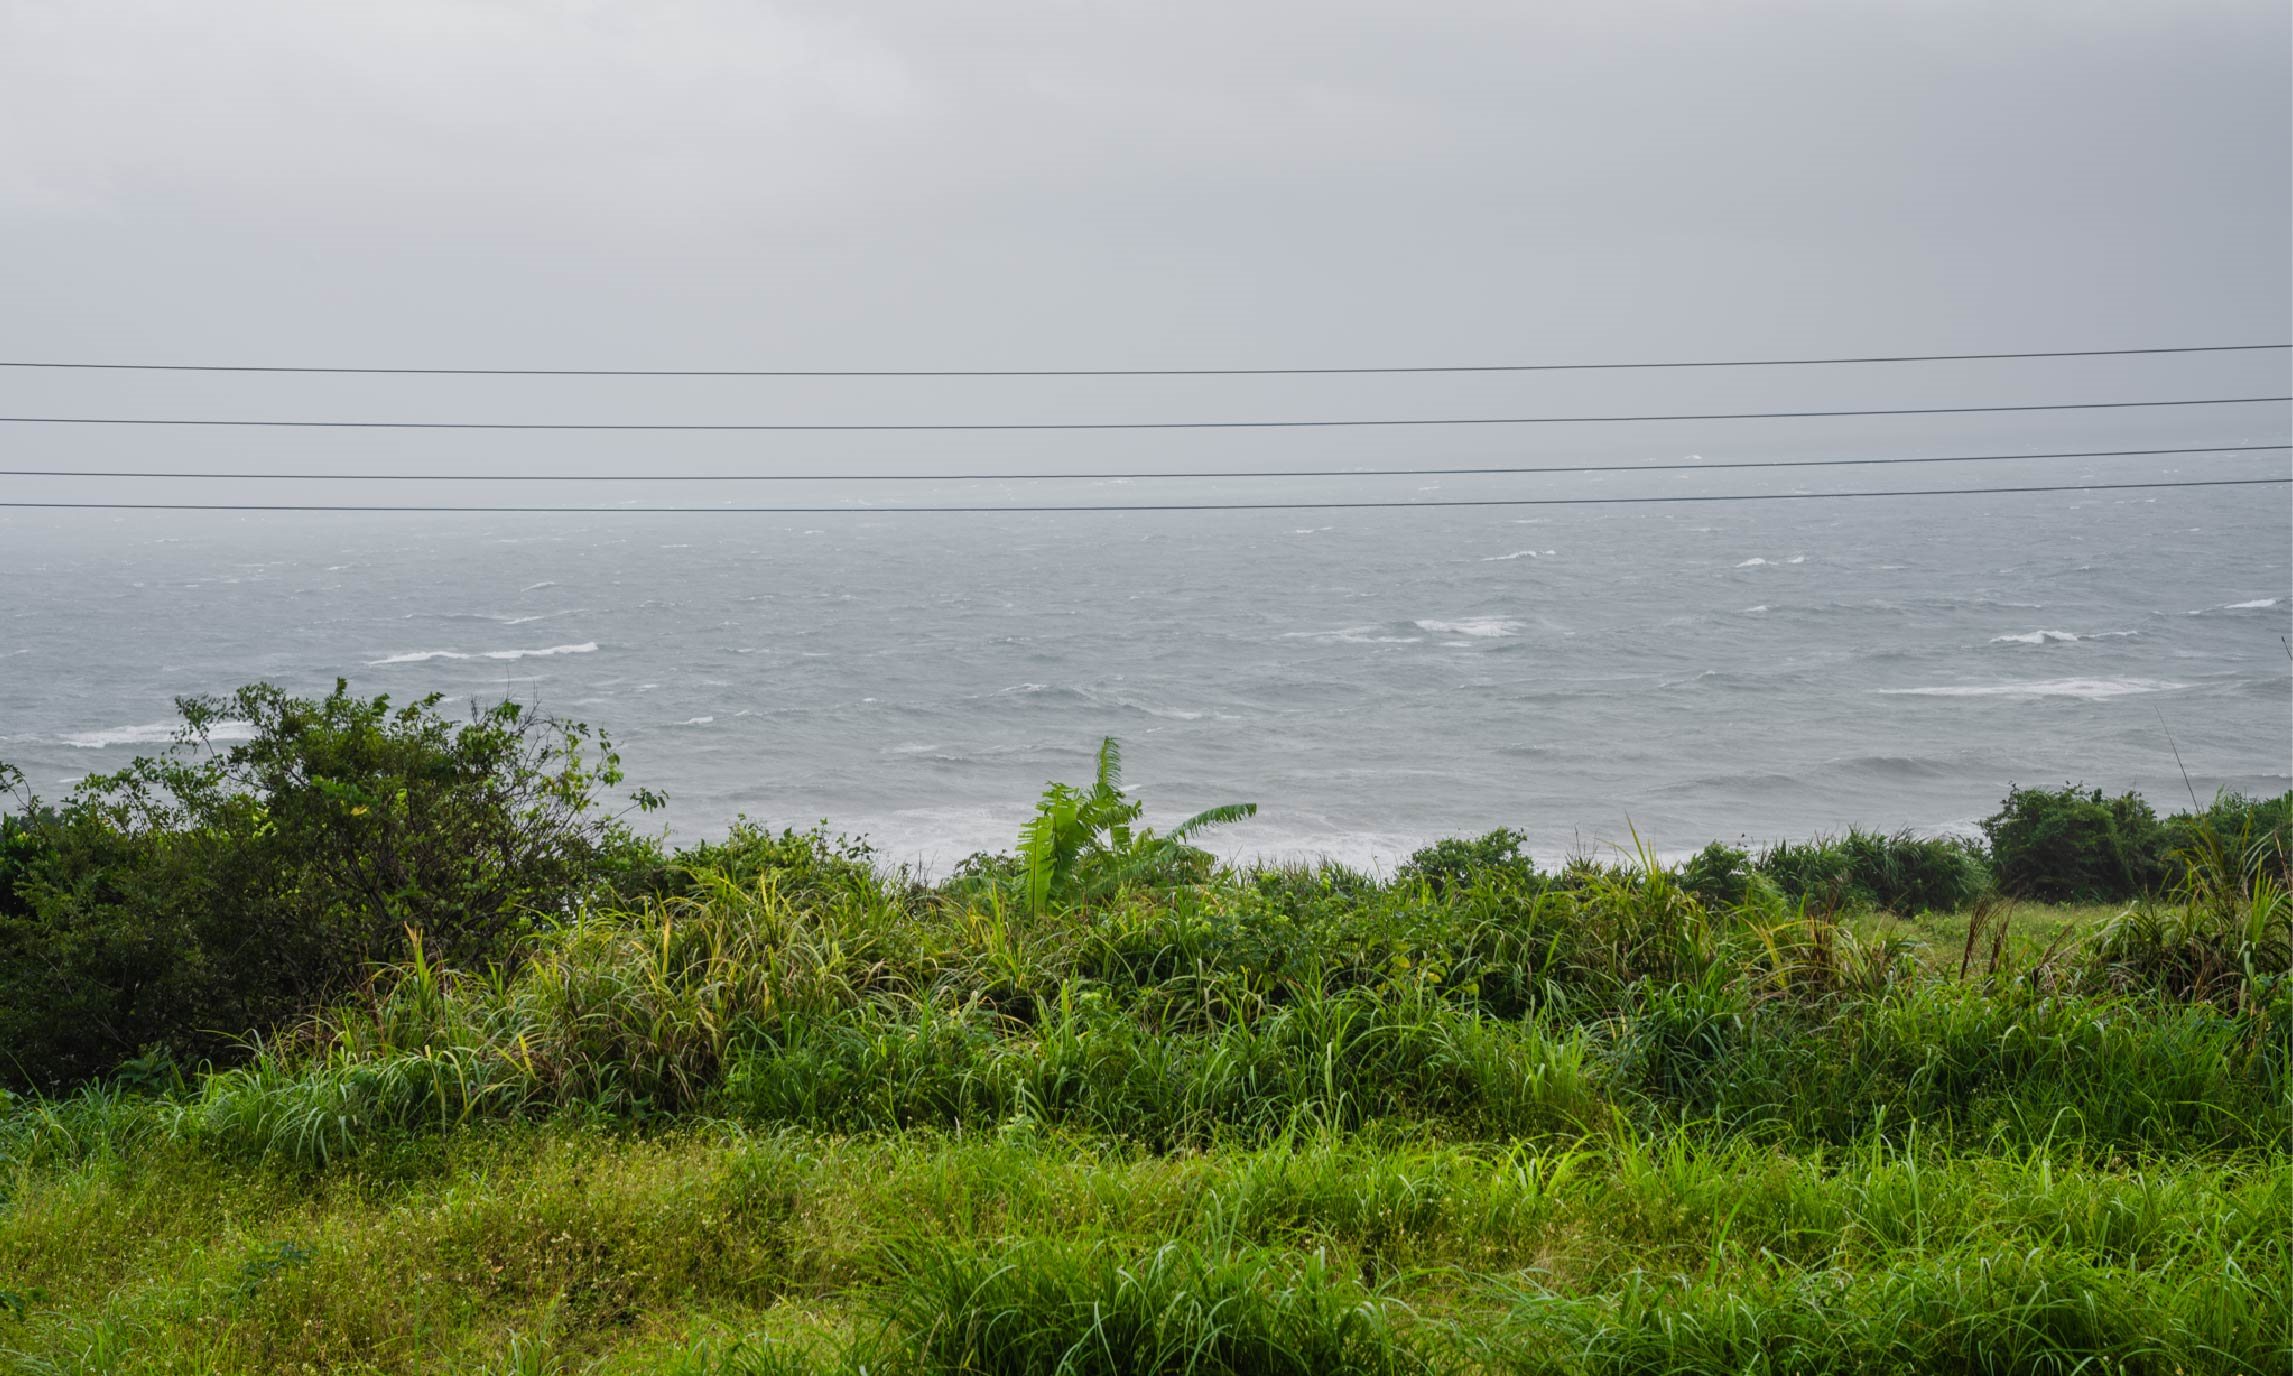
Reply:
x=1286 y=1123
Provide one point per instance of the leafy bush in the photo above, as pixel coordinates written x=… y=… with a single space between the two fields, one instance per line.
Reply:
x=802 y=864
x=207 y=893
x=2227 y=936
x=1719 y=875
x=2253 y=834
x=25 y=840
x=1909 y=874
x=1458 y=863
x=1901 y=873
x=2073 y=845
x=1812 y=872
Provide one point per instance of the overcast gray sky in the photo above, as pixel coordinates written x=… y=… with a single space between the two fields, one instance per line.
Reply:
x=665 y=183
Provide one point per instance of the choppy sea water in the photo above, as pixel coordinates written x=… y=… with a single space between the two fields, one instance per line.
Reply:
x=1370 y=678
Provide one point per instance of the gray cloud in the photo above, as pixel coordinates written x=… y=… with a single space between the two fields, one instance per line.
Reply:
x=702 y=182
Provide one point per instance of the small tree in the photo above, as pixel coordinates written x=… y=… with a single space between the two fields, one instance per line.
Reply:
x=2074 y=845
x=206 y=893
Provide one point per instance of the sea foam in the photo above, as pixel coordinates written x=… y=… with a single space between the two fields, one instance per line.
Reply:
x=2036 y=638
x=584 y=648
x=419 y=656
x=2088 y=688
x=156 y=733
x=2257 y=604
x=1355 y=635
x=1479 y=627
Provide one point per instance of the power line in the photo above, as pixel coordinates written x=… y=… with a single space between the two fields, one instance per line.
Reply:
x=1468 y=471
x=1136 y=506
x=1127 y=425
x=1134 y=372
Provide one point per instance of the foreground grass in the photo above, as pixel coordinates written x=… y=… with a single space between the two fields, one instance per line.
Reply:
x=716 y=1249
x=806 y=1121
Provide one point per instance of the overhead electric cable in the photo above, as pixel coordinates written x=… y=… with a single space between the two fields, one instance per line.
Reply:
x=1488 y=470
x=1134 y=506
x=943 y=426
x=1134 y=372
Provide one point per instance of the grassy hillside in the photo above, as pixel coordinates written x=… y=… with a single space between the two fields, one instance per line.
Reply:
x=1101 y=1105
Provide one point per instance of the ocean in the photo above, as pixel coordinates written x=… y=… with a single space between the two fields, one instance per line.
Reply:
x=1587 y=675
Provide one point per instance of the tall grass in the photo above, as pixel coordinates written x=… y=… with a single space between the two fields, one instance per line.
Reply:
x=1178 y=1019
x=715 y=1249
x=1096 y=1310
x=785 y=1116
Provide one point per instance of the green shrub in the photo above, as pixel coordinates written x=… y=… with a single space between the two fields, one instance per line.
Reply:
x=1901 y=873
x=198 y=896
x=2072 y=845
x=1911 y=874
x=798 y=864
x=1457 y=863
x=1816 y=872
x=26 y=839
x=2227 y=935
x=2254 y=835
x=1719 y=875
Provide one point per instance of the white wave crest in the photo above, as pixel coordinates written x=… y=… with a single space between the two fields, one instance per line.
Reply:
x=2257 y=604
x=1355 y=635
x=1753 y=564
x=1167 y=713
x=2086 y=688
x=1481 y=627
x=418 y=656
x=155 y=733
x=2036 y=638
x=584 y=648
x=1516 y=554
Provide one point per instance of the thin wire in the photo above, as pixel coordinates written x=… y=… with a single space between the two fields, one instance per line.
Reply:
x=1156 y=506
x=1481 y=471
x=1134 y=372
x=1133 y=425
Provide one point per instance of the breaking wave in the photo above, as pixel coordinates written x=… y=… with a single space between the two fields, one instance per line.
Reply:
x=155 y=733
x=1479 y=627
x=2087 y=688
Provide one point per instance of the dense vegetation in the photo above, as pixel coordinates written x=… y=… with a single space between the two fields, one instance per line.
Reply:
x=515 y=1090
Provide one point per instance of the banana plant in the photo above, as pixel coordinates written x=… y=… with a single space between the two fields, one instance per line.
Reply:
x=1083 y=842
